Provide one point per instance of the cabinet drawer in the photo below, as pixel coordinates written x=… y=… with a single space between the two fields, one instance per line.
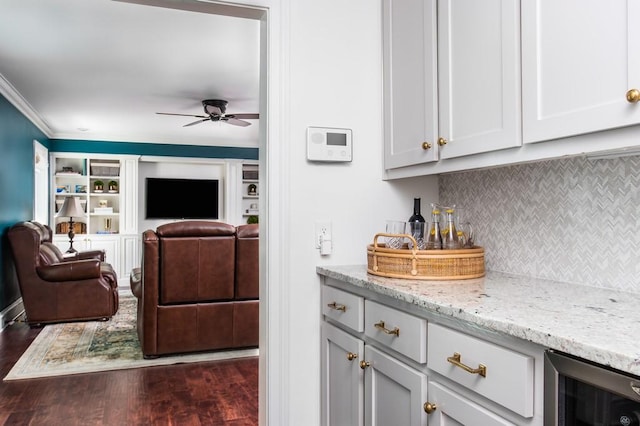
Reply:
x=343 y=307
x=397 y=330
x=508 y=377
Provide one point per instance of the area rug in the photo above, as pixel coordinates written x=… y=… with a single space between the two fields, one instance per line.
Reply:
x=93 y=346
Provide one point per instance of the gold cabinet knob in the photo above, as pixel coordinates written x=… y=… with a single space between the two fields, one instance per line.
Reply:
x=442 y=141
x=364 y=364
x=351 y=356
x=633 y=96
x=429 y=407
x=426 y=145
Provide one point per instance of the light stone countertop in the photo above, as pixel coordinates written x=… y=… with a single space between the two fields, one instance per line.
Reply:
x=601 y=325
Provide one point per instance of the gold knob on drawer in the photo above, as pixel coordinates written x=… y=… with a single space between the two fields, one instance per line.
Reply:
x=364 y=364
x=351 y=356
x=429 y=407
x=426 y=145
x=633 y=96
x=442 y=141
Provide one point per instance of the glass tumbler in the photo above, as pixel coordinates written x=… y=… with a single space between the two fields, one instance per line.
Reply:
x=398 y=228
x=418 y=231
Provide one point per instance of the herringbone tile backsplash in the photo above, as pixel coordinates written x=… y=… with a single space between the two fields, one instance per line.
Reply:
x=574 y=220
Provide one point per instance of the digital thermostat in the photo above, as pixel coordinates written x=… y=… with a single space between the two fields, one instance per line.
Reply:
x=326 y=144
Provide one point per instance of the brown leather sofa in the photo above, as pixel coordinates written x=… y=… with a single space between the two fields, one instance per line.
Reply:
x=197 y=288
x=59 y=289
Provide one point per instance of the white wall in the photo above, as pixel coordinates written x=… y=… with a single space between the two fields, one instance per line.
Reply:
x=335 y=80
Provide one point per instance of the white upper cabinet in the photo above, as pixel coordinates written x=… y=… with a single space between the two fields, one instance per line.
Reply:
x=451 y=78
x=579 y=60
x=410 y=91
x=478 y=76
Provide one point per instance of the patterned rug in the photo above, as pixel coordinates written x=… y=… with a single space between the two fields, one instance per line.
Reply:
x=87 y=347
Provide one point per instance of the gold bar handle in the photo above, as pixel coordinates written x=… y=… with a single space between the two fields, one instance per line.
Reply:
x=337 y=307
x=380 y=326
x=455 y=360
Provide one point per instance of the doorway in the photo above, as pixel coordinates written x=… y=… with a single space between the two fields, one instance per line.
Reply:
x=41 y=183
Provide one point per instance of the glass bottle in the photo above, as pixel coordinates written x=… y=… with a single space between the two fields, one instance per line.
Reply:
x=450 y=235
x=434 y=239
x=416 y=221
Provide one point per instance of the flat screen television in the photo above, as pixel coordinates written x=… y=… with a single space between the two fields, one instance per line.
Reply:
x=169 y=198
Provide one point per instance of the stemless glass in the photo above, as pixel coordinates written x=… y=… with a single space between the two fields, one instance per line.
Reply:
x=418 y=230
x=395 y=227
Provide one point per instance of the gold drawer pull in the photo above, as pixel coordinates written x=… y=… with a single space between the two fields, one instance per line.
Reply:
x=337 y=307
x=633 y=96
x=380 y=326
x=364 y=364
x=426 y=145
x=351 y=356
x=455 y=360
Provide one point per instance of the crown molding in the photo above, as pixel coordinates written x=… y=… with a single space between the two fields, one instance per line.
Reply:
x=8 y=91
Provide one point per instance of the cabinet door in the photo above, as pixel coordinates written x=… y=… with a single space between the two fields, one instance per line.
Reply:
x=410 y=92
x=478 y=76
x=111 y=246
x=342 y=378
x=395 y=392
x=579 y=60
x=450 y=409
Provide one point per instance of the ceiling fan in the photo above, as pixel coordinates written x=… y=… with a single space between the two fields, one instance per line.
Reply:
x=215 y=110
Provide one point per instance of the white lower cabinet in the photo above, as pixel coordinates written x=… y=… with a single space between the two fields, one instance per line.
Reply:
x=342 y=378
x=448 y=409
x=401 y=368
x=394 y=392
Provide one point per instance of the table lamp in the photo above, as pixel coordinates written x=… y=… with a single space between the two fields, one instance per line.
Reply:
x=71 y=208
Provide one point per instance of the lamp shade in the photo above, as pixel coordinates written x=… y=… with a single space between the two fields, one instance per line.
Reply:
x=71 y=208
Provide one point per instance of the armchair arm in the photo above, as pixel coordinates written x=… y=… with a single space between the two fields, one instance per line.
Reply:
x=91 y=254
x=70 y=271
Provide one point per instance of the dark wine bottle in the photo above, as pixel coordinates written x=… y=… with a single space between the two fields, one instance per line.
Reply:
x=415 y=228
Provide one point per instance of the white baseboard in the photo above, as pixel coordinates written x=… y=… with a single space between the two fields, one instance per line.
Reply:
x=11 y=313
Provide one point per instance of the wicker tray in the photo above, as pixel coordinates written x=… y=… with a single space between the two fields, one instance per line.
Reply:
x=423 y=264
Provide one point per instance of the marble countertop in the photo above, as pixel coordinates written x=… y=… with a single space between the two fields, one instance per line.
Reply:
x=601 y=325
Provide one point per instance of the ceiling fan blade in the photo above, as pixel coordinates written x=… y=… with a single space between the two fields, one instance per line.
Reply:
x=213 y=110
x=197 y=122
x=247 y=116
x=236 y=122
x=183 y=115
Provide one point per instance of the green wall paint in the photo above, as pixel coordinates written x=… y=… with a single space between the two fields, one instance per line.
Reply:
x=17 y=134
x=154 y=149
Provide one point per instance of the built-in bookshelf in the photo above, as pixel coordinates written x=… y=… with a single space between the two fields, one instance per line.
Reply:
x=250 y=194
x=106 y=187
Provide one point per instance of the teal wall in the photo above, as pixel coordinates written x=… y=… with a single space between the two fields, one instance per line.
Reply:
x=137 y=148
x=17 y=134
x=16 y=174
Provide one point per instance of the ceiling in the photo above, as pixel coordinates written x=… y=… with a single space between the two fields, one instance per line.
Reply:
x=102 y=69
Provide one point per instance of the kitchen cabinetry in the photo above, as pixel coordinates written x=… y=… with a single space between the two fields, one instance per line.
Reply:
x=579 y=62
x=451 y=79
x=355 y=373
x=107 y=189
x=408 y=368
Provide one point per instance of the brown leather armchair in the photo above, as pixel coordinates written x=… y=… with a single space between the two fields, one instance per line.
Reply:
x=187 y=289
x=55 y=289
x=47 y=238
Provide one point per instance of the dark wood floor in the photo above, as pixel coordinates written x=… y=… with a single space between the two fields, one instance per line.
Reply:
x=211 y=393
